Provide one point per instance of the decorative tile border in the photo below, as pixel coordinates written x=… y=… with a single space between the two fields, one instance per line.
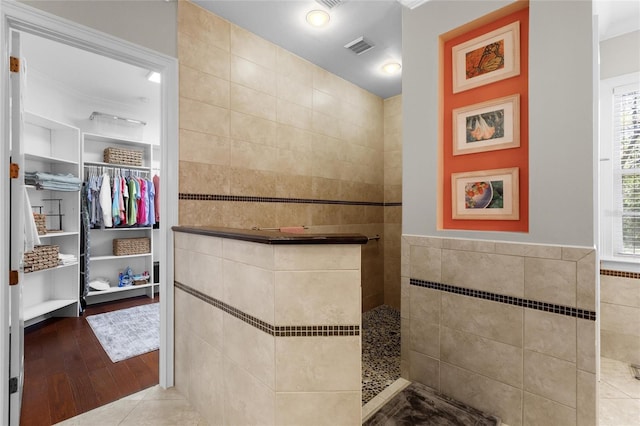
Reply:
x=274 y=330
x=251 y=199
x=622 y=274
x=509 y=300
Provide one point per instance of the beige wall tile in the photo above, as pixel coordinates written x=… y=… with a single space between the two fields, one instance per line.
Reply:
x=249 y=289
x=254 y=183
x=620 y=291
x=318 y=408
x=200 y=178
x=587 y=282
x=318 y=364
x=252 y=102
x=203 y=25
x=484 y=356
x=587 y=399
x=199 y=271
x=325 y=124
x=254 y=129
x=424 y=304
x=204 y=148
x=294 y=67
x=200 y=243
x=392 y=159
x=166 y=412
x=529 y=250
x=321 y=297
x=623 y=347
x=550 y=334
x=587 y=350
x=482 y=393
x=426 y=263
x=393 y=176
x=316 y=258
x=618 y=318
x=421 y=241
x=293 y=138
x=260 y=255
x=197 y=213
x=325 y=214
x=500 y=274
x=249 y=46
x=295 y=162
x=182 y=330
x=247 y=401
x=393 y=106
x=202 y=56
x=252 y=75
x=550 y=377
x=249 y=155
x=424 y=369
x=326 y=104
x=291 y=114
x=392 y=193
x=540 y=411
x=405 y=298
x=203 y=87
x=351 y=132
x=552 y=281
x=392 y=126
x=206 y=374
x=325 y=189
x=327 y=82
x=290 y=90
x=424 y=338
x=248 y=215
x=292 y=215
x=392 y=142
x=204 y=118
x=206 y=322
x=576 y=253
x=469 y=245
x=293 y=186
x=256 y=358
x=493 y=320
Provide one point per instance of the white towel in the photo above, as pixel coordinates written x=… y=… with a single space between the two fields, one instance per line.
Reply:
x=31 y=237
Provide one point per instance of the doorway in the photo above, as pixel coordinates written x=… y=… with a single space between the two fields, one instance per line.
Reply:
x=22 y=19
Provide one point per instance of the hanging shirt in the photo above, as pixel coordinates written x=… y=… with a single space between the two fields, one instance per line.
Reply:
x=115 y=202
x=144 y=203
x=152 y=208
x=133 y=208
x=105 y=201
x=156 y=184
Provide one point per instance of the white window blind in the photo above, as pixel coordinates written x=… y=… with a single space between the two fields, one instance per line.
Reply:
x=626 y=170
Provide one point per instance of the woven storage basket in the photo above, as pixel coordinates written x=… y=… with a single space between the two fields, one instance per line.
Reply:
x=42 y=257
x=127 y=246
x=128 y=157
x=41 y=223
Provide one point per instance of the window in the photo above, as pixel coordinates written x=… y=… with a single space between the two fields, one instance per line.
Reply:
x=620 y=169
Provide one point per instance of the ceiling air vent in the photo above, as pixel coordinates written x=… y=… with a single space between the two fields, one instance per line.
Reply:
x=359 y=46
x=329 y=4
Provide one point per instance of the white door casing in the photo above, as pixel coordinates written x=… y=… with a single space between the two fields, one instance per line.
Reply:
x=17 y=16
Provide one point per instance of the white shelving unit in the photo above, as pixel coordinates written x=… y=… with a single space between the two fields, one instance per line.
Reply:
x=53 y=147
x=103 y=263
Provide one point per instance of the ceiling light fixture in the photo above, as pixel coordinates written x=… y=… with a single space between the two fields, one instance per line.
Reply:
x=392 y=67
x=154 y=76
x=318 y=18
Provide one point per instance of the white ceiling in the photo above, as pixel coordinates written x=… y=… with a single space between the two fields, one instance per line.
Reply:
x=281 y=22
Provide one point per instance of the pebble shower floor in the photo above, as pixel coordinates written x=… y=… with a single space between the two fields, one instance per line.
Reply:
x=380 y=350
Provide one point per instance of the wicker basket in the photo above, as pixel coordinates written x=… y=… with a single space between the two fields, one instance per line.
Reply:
x=41 y=223
x=42 y=257
x=128 y=246
x=128 y=157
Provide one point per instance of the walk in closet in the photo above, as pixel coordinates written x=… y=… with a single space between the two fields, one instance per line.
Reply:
x=81 y=109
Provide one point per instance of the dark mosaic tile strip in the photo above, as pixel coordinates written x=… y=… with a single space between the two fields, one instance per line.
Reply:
x=623 y=274
x=250 y=199
x=516 y=301
x=274 y=330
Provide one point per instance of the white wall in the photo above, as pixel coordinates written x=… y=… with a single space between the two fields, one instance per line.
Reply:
x=148 y=23
x=561 y=140
x=620 y=55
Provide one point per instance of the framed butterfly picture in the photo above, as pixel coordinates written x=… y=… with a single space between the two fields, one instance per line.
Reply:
x=485 y=59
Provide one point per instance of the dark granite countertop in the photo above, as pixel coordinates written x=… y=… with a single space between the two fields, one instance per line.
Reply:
x=272 y=237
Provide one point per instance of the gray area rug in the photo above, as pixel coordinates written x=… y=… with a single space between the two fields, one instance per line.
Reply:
x=128 y=332
x=420 y=405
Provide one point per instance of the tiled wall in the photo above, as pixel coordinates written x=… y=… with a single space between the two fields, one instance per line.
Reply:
x=291 y=143
x=507 y=328
x=619 y=314
x=268 y=334
x=392 y=199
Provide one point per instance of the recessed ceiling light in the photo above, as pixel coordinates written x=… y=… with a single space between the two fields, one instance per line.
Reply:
x=318 y=18
x=391 y=67
x=154 y=76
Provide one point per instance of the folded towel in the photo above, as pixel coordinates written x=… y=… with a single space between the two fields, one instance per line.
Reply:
x=293 y=229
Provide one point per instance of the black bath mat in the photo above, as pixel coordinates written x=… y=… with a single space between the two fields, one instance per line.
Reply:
x=419 y=405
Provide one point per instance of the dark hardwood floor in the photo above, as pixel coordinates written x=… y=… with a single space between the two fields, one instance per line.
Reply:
x=68 y=373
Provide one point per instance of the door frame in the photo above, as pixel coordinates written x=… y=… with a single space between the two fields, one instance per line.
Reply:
x=17 y=16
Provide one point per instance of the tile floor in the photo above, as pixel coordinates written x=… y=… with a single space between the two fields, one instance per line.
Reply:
x=619 y=394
